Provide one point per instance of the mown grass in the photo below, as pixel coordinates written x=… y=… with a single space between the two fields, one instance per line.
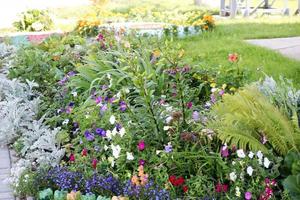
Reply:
x=211 y=49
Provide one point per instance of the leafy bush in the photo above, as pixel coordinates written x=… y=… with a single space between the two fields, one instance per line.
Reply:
x=248 y=120
x=34 y=20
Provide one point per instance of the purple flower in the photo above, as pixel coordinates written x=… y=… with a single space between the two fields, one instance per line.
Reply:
x=168 y=148
x=101 y=132
x=224 y=151
x=71 y=104
x=103 y=108
x=89 y=136
x=75 y=124
x=100 y=38
x=222 y=92
x=98 y=100
x=123 y=106
x=118 y=127
x=111 y=100
x=142 y=162
x=248 y=195
x=196 y=116
x=104 y=87
x=63 y=80
x=69 y=109
x=71 y=73
x=213 y=98
x=189 y=105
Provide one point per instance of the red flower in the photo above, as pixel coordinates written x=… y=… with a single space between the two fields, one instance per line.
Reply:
x=172 y=179
x=185 y=188
x=233 y=57
x=179 y=181
x=141 y=145
x=176 y=181
x=72 y=158
x=221 y=187
x=94 y=163
x=189 y=105
x=84 y=152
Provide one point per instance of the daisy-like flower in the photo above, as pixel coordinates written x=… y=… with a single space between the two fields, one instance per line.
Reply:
x=250 y=170
x=240 y=153
x=129 y=156
x=266 y=162
x=232 y=176
x=116 y=149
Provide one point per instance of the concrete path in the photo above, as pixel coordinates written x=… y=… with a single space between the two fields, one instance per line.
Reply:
x=289 y=47
x=6 y=192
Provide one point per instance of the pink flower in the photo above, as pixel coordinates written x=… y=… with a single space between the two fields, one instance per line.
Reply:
x=248 y=195
x=72 y=158
x=142 y=162
x=141 y=145
x=233 y=57
x=94 y=163
x=84 y=152
x=189 y=105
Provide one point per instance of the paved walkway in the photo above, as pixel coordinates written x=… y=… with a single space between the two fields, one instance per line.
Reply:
x=6 y=192
x=289 y=47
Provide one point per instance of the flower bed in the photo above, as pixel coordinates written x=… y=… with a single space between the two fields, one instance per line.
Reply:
x=127 y=117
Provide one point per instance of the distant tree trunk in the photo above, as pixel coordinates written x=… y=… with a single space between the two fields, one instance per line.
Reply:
x=198 y=2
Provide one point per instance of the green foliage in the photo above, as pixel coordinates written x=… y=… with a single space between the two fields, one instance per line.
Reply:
x=246 y=117
x=34 y=20
x=26 y=184
x=291 y=170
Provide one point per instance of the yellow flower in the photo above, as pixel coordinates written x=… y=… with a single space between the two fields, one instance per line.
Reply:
x=181 y=53
x=213 y=85
x=156 y=53
x=232 y=89
x=224 y=86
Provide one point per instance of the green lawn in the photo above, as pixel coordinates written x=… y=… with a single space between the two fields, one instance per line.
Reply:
x=213 y=48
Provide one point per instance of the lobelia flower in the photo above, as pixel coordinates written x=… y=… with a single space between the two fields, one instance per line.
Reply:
x=141 y=145
x=248 y=195
x=196 y=116
x=249 y=170
x=189 y=105
x=266 y=162
x=232 y=176
x=116 y=150
x=123 y=106
x=224 y=151
x=84 y=152
x=72 y=158
x=240 y=153
x=168 y=148
x=129 y=156
x=101 y=132
x=89 y=136
x=112 y=119
x=94 y=163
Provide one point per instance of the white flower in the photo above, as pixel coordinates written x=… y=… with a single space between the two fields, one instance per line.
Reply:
x=158 y=152
x=129 y=156
x=109 y=134
x=233 y=162
x=114 y=132
x=251 y=154
x=112 y=119
x=240 y=153
x=259 y=155
x=166 y=128
x=237 y=192
x=249 y=170
x=116 y=150
x=169 y=119
x=74 y=93
x=266 y=162
x=232 y=176
x=65 y=122
x=213 y=90
x=122 y=132
x=105 y=147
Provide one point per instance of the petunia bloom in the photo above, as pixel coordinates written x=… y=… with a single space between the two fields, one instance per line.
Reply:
x=101 y=132
x=240 y=153
x=189 y=105
x=168 y=148
x=248 y=195
x=141 y=145
x=89 y=136
x=94 y=163
x=224 y=151
x=72 y=158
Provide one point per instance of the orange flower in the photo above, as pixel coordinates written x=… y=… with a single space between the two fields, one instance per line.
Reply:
x=56 y=58
x=141 y=170
x=205 y=27
x=135 y=180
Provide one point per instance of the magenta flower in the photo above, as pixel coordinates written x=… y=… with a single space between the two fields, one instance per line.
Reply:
x=141 y=145
x=98 y=100
x=213 y=98
x=224 y=151
x=94 y=163
x=72 y=158
x=189 y=105
x=100 y=38
x=248 y=195
x=103 y=108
